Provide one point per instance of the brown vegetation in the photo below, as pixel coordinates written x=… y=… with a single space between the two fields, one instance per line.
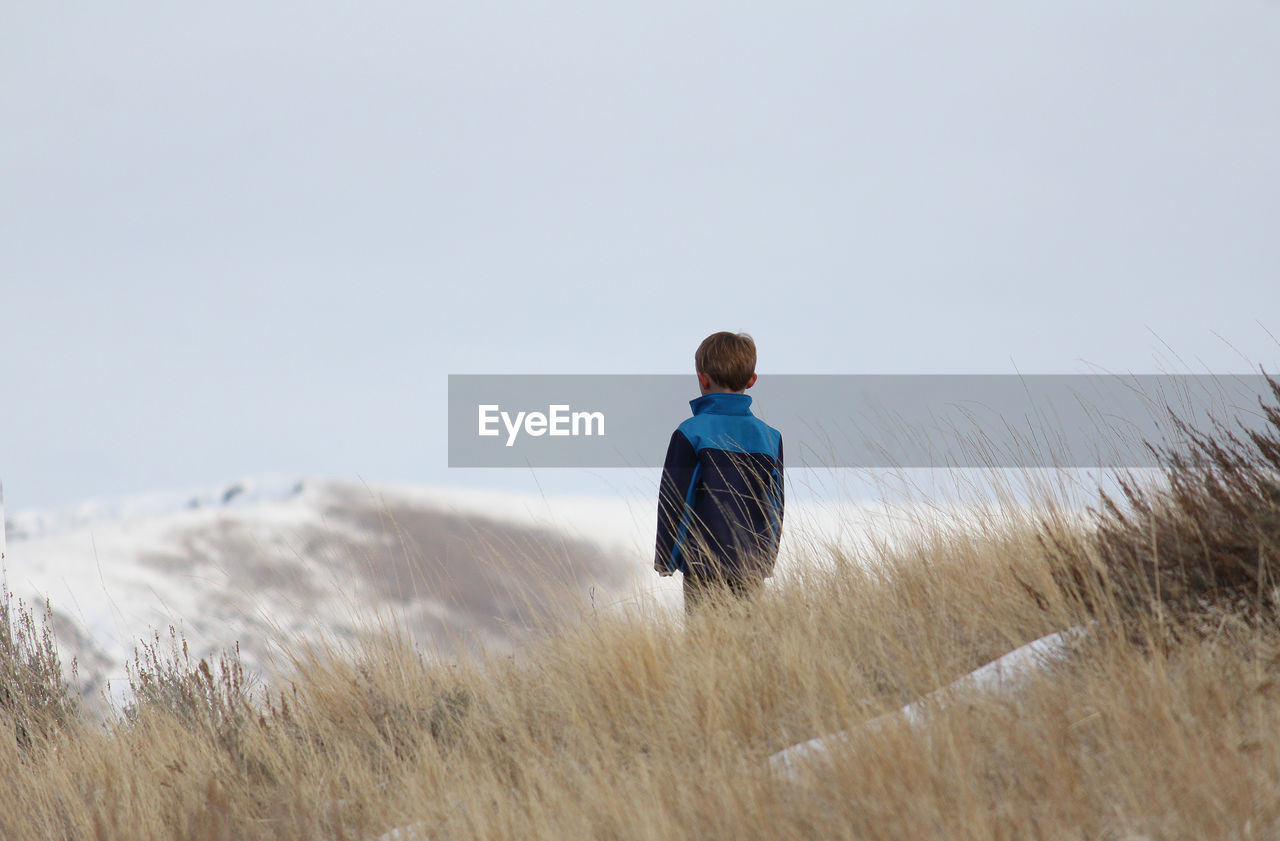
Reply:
x=1195 y=548
x=639 y=725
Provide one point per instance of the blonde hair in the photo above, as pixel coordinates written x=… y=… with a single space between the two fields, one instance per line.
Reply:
x=729 y=359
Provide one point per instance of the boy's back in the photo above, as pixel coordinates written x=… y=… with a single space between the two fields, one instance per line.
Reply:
x=721 y=497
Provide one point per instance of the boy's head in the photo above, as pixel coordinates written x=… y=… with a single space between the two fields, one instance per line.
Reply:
x=726 y=362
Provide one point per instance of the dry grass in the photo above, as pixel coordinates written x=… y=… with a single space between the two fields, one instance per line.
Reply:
x=639 y=725
x=1204 y=542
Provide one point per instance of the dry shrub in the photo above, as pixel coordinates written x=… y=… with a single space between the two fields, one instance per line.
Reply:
x=1198 y=545
x=36 y=701
x=214 y=699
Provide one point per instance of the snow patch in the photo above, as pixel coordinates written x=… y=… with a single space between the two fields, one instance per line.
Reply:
x=1002 y=676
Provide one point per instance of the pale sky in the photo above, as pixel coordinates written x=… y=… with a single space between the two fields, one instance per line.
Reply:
x=255 y=238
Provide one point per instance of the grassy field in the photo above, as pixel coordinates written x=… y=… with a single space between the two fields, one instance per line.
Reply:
x=1163 y=724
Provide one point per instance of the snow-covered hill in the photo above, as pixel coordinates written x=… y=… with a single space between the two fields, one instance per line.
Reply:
x=264 y=563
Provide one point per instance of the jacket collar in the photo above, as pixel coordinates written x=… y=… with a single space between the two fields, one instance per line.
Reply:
x=721 y=403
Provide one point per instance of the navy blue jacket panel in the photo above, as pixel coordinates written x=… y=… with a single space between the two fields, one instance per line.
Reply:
x=720 y=500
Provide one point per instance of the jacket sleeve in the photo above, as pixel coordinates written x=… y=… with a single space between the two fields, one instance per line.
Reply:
x=674 y=490
x=781 y=497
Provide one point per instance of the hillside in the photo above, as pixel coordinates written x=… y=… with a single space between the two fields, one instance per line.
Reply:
x=1024 y=674
x=267 y=564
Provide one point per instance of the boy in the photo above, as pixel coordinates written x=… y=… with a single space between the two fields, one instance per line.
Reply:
x=721 y=497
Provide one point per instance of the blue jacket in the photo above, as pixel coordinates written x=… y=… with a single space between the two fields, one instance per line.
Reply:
x=721 y=496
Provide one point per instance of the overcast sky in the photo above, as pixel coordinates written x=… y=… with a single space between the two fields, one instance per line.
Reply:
x=245 y=238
